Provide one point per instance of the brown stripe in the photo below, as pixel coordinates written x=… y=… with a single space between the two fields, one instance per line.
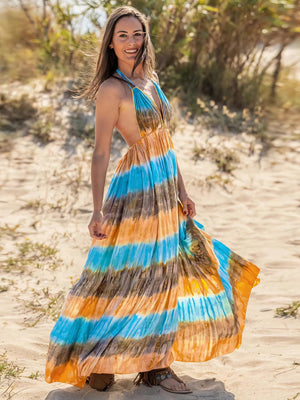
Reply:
x=157 y=278
x=61 y=354
x=142 y=204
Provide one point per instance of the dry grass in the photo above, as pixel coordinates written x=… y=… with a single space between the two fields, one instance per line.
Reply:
x=32 y=255
x=6 y=143
x=15 y=111
x=37 y=205
x=35 y=375
x=8 y=369
x=62 y=204
x=82 y=125
x=291 y=310
x=10 y=231
x=217 y=116
x=7 y=283
x=297 y=396
x=225 y=159
x=43 y=305
x=42 y=131
x=42 y=127
x=211 y=180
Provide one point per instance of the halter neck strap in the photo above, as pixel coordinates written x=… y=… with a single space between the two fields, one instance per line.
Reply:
x=124 y=76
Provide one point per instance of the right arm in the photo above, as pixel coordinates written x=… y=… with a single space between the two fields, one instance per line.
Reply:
x=106 y=117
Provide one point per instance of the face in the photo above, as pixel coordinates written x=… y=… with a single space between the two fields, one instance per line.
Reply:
x=127 y=39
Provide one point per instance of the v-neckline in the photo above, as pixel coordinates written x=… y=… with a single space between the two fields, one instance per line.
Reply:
x=159 y=109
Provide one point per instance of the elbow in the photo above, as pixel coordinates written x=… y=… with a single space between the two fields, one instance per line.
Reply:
x=101 y=156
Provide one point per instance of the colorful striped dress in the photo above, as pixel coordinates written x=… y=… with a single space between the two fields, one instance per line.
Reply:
x=158 y=288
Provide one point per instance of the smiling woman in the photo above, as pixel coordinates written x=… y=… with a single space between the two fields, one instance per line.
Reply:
x=132 y=43
x=155 y=287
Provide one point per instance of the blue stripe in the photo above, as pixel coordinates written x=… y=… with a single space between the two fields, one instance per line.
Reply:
x=201 y=308
x=80 y=330
x=199 y=225
x=185 y=240
x=100 y=258
x=222 y=252
x=142 y=103
x=144 y=176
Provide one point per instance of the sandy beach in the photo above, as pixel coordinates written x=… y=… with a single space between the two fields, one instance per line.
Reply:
x=46 y=199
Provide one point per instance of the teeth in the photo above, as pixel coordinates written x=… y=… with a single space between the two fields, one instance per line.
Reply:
x=131 y=51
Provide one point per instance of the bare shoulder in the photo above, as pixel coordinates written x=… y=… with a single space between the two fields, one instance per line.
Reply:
x=111 y=89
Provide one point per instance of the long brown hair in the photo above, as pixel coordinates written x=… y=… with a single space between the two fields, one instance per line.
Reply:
x=107 y=60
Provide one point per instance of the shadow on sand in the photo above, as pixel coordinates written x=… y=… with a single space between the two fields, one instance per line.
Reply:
x=124 y=389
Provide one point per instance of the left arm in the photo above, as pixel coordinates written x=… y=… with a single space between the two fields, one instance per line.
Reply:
x=188 y=206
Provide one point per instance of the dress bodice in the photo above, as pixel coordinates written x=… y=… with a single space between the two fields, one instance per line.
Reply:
x=149 y=116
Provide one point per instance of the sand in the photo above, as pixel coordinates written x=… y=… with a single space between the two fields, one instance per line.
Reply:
x=256 y=214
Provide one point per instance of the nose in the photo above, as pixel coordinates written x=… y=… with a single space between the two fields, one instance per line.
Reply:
x=131 y=39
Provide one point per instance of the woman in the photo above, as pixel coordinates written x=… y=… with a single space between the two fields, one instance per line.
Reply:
x=155 y=287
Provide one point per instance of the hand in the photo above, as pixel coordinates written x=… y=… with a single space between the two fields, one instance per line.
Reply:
x=95 y=226
x=188 y=206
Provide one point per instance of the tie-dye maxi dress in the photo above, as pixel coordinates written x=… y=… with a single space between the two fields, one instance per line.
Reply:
x=158 y=288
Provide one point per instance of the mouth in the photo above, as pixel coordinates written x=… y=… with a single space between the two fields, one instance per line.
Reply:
x=131 y=51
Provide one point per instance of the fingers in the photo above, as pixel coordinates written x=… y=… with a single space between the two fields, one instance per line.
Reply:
x=96 y=232
x=99 y=236
x=189 y=208
x=185 y=207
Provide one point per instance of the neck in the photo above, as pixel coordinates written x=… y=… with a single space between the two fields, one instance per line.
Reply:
x=126 y=70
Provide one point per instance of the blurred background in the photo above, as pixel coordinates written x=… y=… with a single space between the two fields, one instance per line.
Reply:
x=241 y=54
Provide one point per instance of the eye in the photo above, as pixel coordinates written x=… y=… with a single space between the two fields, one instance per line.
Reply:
x=122 y=35
x=138 y=34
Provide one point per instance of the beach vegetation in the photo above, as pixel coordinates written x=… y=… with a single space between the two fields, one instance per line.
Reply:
x=291 y=310
x=225 y=159
x=229 y=57
x=32 y=255
x=9 y=368
x=10 y=230
x=15 y=111
x=35 y=375
x=43 y=304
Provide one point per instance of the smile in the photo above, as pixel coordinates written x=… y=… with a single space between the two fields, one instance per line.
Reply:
x=131 y=51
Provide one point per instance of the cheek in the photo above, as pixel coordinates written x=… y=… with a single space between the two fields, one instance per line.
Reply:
x=119 y=48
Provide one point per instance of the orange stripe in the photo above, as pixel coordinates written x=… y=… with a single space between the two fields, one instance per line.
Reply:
x=242 y=289
x=94 y=307
x=66 y=373
x=191 y=350
x=69 y=372
x=153 y=144
x=140 y=230
x=191 y=286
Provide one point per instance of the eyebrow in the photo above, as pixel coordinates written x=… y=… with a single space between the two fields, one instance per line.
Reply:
x=133 y=31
